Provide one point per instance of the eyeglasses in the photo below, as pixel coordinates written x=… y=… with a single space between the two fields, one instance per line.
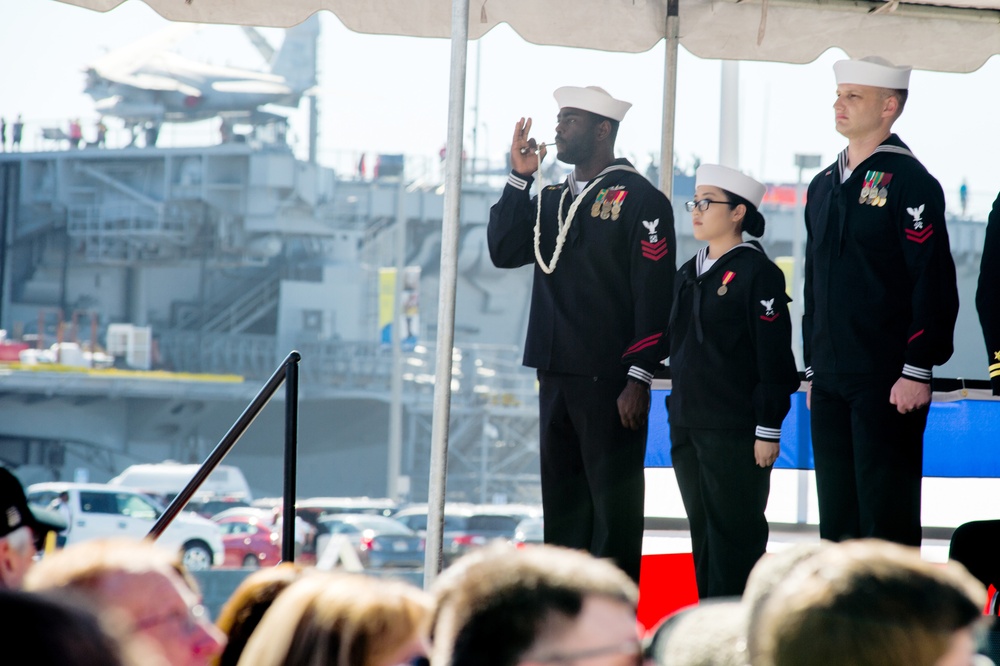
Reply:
x=631 y=648
x=188 y=620
x=702 y=204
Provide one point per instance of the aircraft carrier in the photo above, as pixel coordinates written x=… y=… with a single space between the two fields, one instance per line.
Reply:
x=229 y=256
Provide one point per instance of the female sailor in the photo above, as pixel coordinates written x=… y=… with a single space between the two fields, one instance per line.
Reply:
x=732 y=372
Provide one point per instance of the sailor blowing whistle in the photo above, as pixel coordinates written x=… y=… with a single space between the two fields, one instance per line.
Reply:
x=533 y=146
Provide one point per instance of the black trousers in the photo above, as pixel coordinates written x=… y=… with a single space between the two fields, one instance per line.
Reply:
x=869 y=460
x=593 y=483
x=725 y=494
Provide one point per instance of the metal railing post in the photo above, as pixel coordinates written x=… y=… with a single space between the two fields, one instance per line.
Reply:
x=291 y=446
x=225 y=444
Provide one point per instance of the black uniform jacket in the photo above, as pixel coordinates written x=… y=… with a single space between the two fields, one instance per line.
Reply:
x=731 y=361
x=988 y=295
x=608 y=300
x=880 y=290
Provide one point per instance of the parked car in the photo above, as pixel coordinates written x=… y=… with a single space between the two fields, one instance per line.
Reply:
x=100 y=510
x=379 y=541
x=529 y=531
x=256 y=512
x=324 y=506
x=305 y=554
x=312 y=509
x=468 y=526
x=212 y=507
x=250 y=541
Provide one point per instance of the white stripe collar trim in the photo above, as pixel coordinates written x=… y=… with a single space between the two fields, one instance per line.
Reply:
x=703 y=255
x=575 y=186
x=883 y=148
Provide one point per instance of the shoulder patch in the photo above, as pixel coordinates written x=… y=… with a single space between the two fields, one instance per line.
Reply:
x=769 y=313
x=917 y=231
x=654 y=250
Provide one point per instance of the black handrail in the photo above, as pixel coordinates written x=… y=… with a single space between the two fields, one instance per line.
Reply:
x=287 y=373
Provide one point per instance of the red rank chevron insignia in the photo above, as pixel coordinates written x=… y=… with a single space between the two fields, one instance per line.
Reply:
x=920 y=236
x=654 y=251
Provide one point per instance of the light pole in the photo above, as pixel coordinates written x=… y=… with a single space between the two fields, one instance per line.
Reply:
x=803 y=162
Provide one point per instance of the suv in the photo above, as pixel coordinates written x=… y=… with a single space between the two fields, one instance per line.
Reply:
x=98 y=510
x=468 y=526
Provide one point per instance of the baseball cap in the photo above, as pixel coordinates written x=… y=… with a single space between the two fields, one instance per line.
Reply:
x=15 y=511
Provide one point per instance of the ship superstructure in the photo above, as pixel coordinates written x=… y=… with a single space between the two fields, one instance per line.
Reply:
x=234 y=254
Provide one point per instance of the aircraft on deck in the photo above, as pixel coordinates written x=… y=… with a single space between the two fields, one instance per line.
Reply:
x=145 y=84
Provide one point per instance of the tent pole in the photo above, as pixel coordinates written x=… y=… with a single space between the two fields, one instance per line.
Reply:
x=669 y=100
x=446 y=292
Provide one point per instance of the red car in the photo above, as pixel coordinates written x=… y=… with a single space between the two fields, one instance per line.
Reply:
x=250 y=541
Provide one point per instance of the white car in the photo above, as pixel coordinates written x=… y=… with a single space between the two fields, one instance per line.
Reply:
x=102 y=511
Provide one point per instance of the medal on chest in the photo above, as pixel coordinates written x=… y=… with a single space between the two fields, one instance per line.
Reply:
x=726 y=279
x=875 y=189
x=608 y=203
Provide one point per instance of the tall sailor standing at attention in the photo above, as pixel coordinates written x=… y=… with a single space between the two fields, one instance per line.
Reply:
x=880 y=309
x=603 y=244
x=732 y=372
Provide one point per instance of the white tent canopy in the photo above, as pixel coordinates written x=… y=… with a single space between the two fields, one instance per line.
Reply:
x=947 y=35
x=950 y=35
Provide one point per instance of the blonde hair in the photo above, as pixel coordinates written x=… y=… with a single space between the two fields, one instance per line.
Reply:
x=330 y=619
x=86 y=565
x=245 y=608
x=866 y=603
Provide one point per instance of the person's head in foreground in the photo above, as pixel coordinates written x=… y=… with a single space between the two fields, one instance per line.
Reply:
x=142 y=583
x=870 y=603
x=21 y=527
x=61 y=630
x=713 y=633
x=500 y=606
x=246 y=606
x=332 y=619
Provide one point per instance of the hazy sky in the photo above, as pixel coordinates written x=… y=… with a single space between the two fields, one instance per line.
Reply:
x=390 y=94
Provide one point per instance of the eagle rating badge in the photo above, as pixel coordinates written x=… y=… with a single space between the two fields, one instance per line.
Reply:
x=920 y=231
x=769 y=313
x=655 y=248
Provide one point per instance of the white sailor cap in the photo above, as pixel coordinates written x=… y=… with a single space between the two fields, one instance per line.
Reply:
x=730 y=180
x=873 y=71
x=593 y=99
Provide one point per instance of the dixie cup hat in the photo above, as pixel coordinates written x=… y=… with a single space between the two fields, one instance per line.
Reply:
x=730 y=180
x=593 y=99
x=873 y=71
x=15 y=512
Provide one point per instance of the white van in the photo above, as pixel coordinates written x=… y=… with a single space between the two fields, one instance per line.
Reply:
x=101 y=511
x=166 y=480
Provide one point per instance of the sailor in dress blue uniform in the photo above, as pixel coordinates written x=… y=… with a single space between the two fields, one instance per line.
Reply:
x=732 y=375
